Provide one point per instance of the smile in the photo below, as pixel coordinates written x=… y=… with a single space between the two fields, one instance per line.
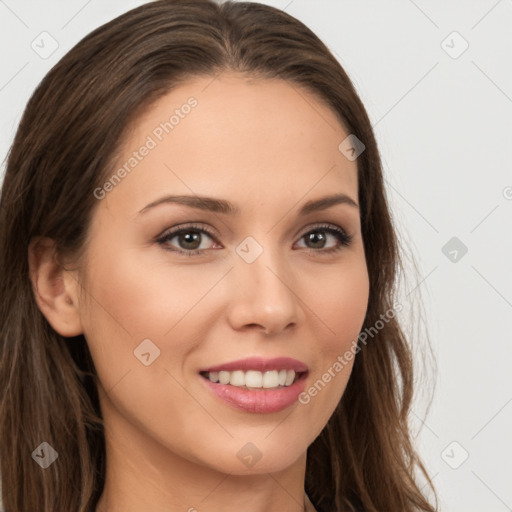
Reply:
x=253 y=379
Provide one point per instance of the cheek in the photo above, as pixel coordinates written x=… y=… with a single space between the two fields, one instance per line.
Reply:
x=132 y=298
x=143 y=297
x=340 y=300
x=129 y=302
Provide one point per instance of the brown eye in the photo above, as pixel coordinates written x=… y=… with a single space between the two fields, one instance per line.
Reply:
x=318 y=238
x=188 y=240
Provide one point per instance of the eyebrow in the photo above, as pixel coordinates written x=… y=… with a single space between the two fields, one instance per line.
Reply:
x=226 y=207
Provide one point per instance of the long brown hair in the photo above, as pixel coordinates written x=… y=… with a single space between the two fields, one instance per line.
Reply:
x=72 y=127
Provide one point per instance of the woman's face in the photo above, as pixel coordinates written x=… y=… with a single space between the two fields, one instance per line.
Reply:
x=269 y=281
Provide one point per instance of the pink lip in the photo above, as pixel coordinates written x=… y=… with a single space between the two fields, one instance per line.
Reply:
x=260 y=364
x=258 y=400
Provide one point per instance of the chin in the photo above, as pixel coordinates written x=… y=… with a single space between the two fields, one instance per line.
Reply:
x=249 y=459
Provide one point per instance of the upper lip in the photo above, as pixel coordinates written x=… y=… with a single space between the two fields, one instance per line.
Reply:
x=260 y=364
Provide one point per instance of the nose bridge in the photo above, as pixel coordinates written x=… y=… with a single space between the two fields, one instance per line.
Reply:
x=263 y=283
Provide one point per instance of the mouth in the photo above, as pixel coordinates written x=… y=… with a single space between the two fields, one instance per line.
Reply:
x=255 y=380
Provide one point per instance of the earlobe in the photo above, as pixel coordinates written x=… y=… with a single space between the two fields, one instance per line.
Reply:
x=55 y=289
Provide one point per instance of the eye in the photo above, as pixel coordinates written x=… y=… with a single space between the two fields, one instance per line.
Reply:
x=189 y=239
x=319 y=235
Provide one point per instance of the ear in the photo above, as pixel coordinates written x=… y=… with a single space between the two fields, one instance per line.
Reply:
x=55 y=289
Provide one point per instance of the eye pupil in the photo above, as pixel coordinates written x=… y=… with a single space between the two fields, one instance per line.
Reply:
x=316 y=237
x=190 y=237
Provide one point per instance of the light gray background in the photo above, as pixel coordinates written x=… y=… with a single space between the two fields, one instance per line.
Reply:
x=444 y=130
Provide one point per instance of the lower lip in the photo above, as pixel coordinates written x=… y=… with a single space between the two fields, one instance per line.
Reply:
x=258 y=400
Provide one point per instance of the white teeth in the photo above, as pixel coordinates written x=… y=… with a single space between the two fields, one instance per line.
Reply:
x=271 y=379
x=254 y=379
x=290 y=376
x=224 y=377
x=237 y=378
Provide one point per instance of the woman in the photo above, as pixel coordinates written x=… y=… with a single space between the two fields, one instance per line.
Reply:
x=198 y=268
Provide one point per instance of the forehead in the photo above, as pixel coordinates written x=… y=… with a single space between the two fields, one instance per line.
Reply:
x=235 y=135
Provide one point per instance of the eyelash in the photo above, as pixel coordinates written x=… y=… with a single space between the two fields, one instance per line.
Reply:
x=344 y=238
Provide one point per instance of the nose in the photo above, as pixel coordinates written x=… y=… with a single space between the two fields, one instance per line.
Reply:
x=262 y=294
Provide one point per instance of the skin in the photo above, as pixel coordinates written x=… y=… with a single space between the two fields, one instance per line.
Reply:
x=172 y=445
